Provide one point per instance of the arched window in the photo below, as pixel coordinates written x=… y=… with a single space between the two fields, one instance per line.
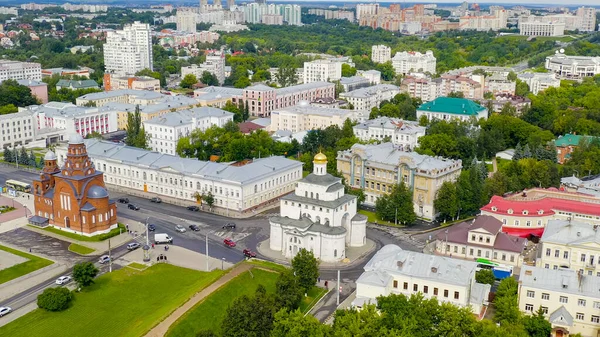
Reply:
x=311 y=195
x=317 y=196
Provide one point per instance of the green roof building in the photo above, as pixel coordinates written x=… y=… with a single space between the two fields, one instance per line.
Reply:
x=448 y=108
x=76 y=84
x=565 y=145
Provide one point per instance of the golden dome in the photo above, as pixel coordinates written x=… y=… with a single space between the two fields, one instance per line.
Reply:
x=320 y=158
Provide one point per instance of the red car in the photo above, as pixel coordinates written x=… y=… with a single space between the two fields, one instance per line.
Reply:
x=249 y=253
x=229 y=243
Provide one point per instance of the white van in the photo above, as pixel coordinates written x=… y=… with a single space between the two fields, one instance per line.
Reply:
x=162 y=238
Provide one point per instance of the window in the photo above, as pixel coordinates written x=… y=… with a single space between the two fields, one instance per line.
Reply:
x=395 y=284
x=582 y=257
x=580 y=316
x=581 y=302
x=596 y=305
x=595 y=319
x=405 y=285
x=548 y=251
x=545 y=310
x=415 y=287
x=545 y=296
x=446 y=293
x=528 y=307
x=435 y=291
x=425 y=289
x=456 y=295
x=530 y=293
x=565 y=255
x=563 y=299
x=557 y=253
x=471 y=251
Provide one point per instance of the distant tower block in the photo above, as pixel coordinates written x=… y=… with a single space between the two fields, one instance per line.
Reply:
x=217 y=3
x=261 y=1
x=203 y=4
x=230 y=3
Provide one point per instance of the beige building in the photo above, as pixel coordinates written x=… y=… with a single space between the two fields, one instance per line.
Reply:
x=569 y=299
x=308 y=117
x=381 y=54
x=112 y=82
x=367 y=98
x=377 y=168
x=533 y=28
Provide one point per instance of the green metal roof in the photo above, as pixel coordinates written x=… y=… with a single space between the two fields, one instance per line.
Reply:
x=458 y=106
x=570 y=140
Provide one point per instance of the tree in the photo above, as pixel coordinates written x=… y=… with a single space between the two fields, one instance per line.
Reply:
x=209 y=79
x=397 y=206
x=95 y=134
x=136 y=134
x=339 y=88
x=18 y=95
x=286 y=75
x=8 y=109
x=506 y=302
x=250 y=316
x=347 y=70
x=188 y=81
x=9 y=156
x=295 y=324
x=242 y=82
x=288 y=292
x=55 y=299
x=387 y=71
x=537 y=325
x=306 y=268
x=209 y=199
x=23 y=156
x=446 y=201
x=456 y=94
x=84 y=273
x=485 y=276
x=521 y=88
x=32 y=161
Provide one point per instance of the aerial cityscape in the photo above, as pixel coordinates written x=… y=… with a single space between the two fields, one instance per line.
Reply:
x=300 y=168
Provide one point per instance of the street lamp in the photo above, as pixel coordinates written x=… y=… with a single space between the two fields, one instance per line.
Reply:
x=222 y=263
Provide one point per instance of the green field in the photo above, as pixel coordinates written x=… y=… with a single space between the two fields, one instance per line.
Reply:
x=79 y=249
x=209 y=314
x=313 y=297
x=372 y=218
x=95 y=238
x=267 y=264
x=21 y=269
x=136 y=265
x=123 y=303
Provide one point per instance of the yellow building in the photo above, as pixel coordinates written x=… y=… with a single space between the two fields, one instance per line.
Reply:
x=377 y=168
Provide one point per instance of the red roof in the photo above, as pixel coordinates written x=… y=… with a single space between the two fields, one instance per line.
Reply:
x=247 y=127
x=547 y=205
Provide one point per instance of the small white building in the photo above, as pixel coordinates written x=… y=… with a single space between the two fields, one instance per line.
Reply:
x=165 y=131
x=573 y=67
x=400 y=132
x=75 y=119
x=374 y=76
x=318 y=217
x=322 y=71
x=304 y=116
x=395 y=271
x=365 y=99
x=354 y=82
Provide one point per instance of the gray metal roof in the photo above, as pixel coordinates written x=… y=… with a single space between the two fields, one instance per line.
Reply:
x=327 y=204
x=395 y=261
x=561 y=316
x=324 y=180
x=353 y=80
x=307 y=109
x=183 y=117
x=258 y=169
x=389 y=123
x=570 y=233
x=369 y=91
x=300 y=87
x=107 y=94
x=306 y=225
x=560 y=280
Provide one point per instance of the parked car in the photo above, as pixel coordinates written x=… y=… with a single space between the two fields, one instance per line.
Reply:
x=156 y=200
x=249 y=253
x=151 y=228
x=104 y=259
x=180 y=228
x=5 y=311
x=194 y=228
x=133 y=207
x=230 y=225
x=162 y=238
x=229 y=243
x=124 y=200
x=63 y=280
x=133 y=246
x=193 y=208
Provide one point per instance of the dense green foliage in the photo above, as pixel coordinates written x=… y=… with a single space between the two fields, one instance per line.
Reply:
x=55 y=299
x=250 y=316
x=485 y=276
x=136 y=134
x=84 y=273
x=397 y=206
x=306 y=268
x=12 y=93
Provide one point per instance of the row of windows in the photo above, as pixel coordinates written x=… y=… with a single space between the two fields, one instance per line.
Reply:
x=26 y=121
x=425 y=289
x=15 y=130
x=581 y=302
x=555 y=267
x=528 y=223
x=565 y=255
x=578 y=316
x=480 y=253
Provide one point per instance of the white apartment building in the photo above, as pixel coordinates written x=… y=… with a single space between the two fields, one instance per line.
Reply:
x=570 y=245
x=411 y=62
x=186 y=21
x=400 y=132
x=75 y=119
x=497 y=19
x=395 y=271
x=214 y=64
x=15 y=70
x=381 y=54
x=538 y=82
x=364 y=99
x=500 y=84
x=236 y=189
x=420 y=87
x=366 y=10
x=573 y=67
x=17 y=129
x=304 y=116
x=587 y=19
x=569 y=300
x=533 y=28
x=374 y=76
x=129 y=50
x=354 y=83
x=165 y=131
x=126 y=96
x=254 y=12
x=322 y=71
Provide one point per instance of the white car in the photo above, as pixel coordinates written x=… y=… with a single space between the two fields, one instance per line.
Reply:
x=5 y=311
x=63 y=280
x=104 y=259
x=180 y=228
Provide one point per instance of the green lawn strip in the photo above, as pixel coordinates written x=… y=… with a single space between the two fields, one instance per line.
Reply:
x=208 y=314
x=314 y=295
x=79 y=249
x=24 y=268
x=136 y=265
x=268 y=265
x=373 y=218
x=125 y=302
x=95 y=238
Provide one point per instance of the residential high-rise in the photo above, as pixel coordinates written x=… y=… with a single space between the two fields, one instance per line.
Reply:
x=587 y=19
x=15 y=70
x=322 y=70
x=381 y=54
x=214 y=64
x=412 y=62
x=129 y=50
x=186 y=21
x=203 y=5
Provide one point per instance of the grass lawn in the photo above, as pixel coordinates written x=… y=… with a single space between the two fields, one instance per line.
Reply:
x=209 y=314
x=136 y=265
x=313 y=297
x=267 y=264
x=125 y=302
x=95 y=238
x=372 y=217
x=21 y=269
x=79 y=249
x=305 y=173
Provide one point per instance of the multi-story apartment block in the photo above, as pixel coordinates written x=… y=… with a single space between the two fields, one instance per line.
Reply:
x=254 y=12
x=262 y=99
x=354 y=83
x=400 y=132
x=186 y=21
x=495 y=21
x=15 y=70
x=533 y=28
x=470 y=88
x=420 y=87
x=568 y=298
x=129 y=50
x=500 y=84
x=218 y=96
x=500 y=100
x=366 y=9
x=374 y=76
x=236 y=189
x=75 y=119
x=538 y=82
x=366 y=98
x=587 y=19
x=332 y=14
x=527 y=213
x=381 y=54
x=377 y=168
x=569 y=244
x=18 y=129
x=272 y=19
x=214 y=64
x=481 y=238
x=411 y=62
x=573 y=67
x=304 y=116
x=447 y=108
x=165 y=131
x=174 y=38
x=322 y=71
x=395 y=271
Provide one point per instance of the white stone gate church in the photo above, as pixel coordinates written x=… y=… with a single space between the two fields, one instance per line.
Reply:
x=319 y=217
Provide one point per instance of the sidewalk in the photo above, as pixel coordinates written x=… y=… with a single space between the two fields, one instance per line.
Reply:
x=15 y=219
x=162 y=328
x=177 y=256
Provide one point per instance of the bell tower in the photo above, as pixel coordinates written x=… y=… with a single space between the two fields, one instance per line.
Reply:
x=77 y=163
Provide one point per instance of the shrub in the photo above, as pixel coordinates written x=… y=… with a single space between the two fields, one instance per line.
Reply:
x=55 y=299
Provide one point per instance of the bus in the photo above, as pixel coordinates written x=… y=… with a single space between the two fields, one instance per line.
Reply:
x=18 y=185
x=500 y=271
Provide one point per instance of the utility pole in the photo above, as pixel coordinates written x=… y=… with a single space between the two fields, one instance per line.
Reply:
x=338 y=289
x=17 y=157
x=396 y=216
x=109 y=258
x=207 y=252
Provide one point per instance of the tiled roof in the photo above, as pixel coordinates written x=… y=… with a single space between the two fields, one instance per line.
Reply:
x=247 y=127
x=547 y=205
x=458 y=106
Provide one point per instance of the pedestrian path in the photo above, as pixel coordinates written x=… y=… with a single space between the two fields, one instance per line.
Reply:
x=162 y=328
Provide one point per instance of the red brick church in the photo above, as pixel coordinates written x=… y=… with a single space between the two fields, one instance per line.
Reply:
x=74 y=198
